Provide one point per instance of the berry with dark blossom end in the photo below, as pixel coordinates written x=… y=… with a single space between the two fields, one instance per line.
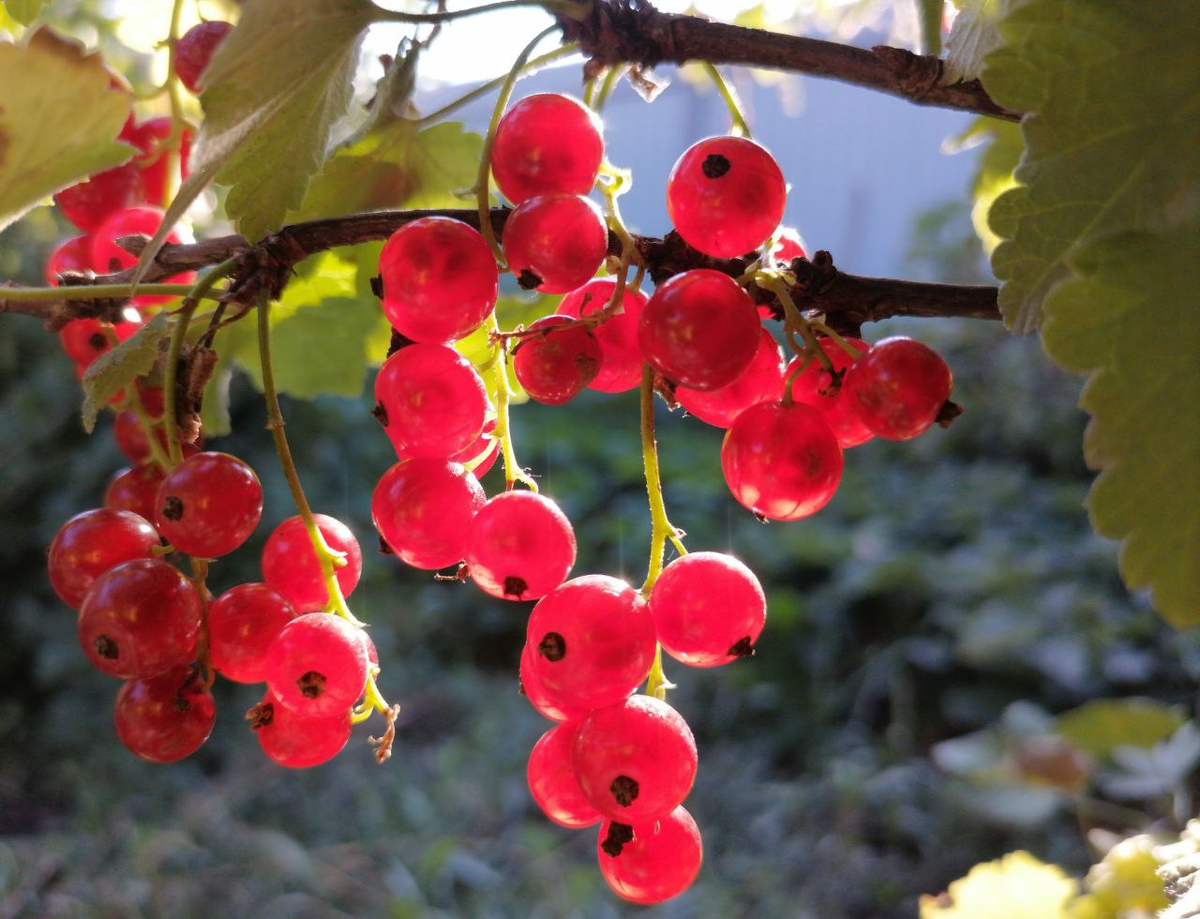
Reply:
x=209 y=504
x=290 y=565
x=432 y=402
x=620 y=357
x=762 y=381
x=651 y=862
x=91 y=203
x=556 y=364
x=535 y=692
x=555 y=243
x=242 y=623
x=545 y=144
x=317 y=665
x=520 y=546
x=165 y=718
x=700 y=329
x=84 y=340
x=134 y=489
x=294 y=740
x=195 y=49
x=552 y=782
x=91 y=543
x=781 y=461
x=423 y=510
x=725 y=195
x=898 y=387
x=815 y=386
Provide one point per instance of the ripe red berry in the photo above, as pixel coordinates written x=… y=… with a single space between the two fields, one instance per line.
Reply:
x=166 y=717
x=289 y=562
x=317 y=665
x=652 y=862
x=150 y=137
x=520 y=546
x=593 y=641
x=209 y=504
x=544 y=144
x=134 y=489
x=620 y=357
x=139 y=619
x=555 y=243
x=430 y=400
x=555 y=365
x=74 y=254
x=89 y=204
x=439 y=279
x=762 y=381
x=700 y=329
x=814 y=385
x=708 y=609
x=899 y=387
x=107 y=256
x=84 y=340
x=423 y=510
x=535 y=692
x=242 y=623
x=726 y=195
x=788 y=245
x=296 y=741
x=91 y=543
x=195 y=49
x=552 y=781
x=781 y=461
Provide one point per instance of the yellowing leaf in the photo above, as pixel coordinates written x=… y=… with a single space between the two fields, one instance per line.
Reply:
x=58 y=120
x=1100 y=726
x=24 y=11
x=1017 y=886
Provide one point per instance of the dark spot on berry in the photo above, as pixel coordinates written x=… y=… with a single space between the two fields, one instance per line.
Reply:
x=380 y=414
x=743 y=648
x=260 y=715
x=181 y=702
x=948 y=412
x=377 y=286
x=616 y=838
x=515 y=586
x=98 y=341
x=624 y=790
x=384 y=548
x=312 y=684
x=528 y=280
x=759 y=517
x=587 y=366
x=553 y=647
x=172 y=508
x=106 y=647
x=714 y=166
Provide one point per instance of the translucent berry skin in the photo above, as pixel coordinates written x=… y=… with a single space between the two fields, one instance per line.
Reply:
x=131 y=439
x=108 y=256
x=292 y=740
x=431 y=401
x=839 y=409
x=423 y=510
x=708 y=609
x=289 y=562
x=535 y=692
x=84 y=340
x=317 y=665
x=242 y=623
x=89 y=204
x=659 y=863
x=209 y=504
x=558 y=364
x=439 y=280
x=555 y=243
x=700 y=330
x=483 y=450
x=898 y=387
x=545 y=144
x=725 y=195
x=552 y=782
x=762 y=381
x=781 y=461
x=165 y=718
x=134 y=489
x=593 y=641
x=74 y=254
x=520 y=546
x=91 y=543
x=788 y=245
x=139 y=619
x=620 y=357
x=149 y=137
x=195 y=49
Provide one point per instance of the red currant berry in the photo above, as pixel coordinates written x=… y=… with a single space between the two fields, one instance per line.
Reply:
x=620 y=357
x=423 y=510
x=555 y=365
x=242 y=623
x=134 y=489
x=296 y=741
x=708 y=609
x=815 y=387
x=726 y=195
x=84 y=340
x=545 y=144
x=520 y=546
x=166 y=717
x=439 y=280
x=652 y=862
x=593 y=641
x=92 y=543
x=781 y=461
x=762 y=381
x=150 y=137
x=555 y=243
x=89 y=204
x=195 y=49
x=107 y=256
x=535 y=692
x=74 y=254
x=699 y=330
x=431 y=401
x=899 y=387
x=317 y=665
x=552 y=781
x=289 y=562
x=788 y=245
x=209 y=504
x=139 y=619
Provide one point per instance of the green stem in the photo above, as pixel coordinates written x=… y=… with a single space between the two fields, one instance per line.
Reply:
x=133 y=400
x=796 y=322
x=563 y=7
x=175 y=94
x=513 y=473
x=606 y=88
x=487 y=87
x=730 y=97
x=96 y=292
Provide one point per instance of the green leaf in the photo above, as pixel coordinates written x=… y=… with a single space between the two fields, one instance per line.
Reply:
x=58 y=120
x=118 y=368
x=1103 y=153
x=974 y=33
x=24 y=11
x=931 y=25
x=997 y=161
x=1129 y=320
x=1101 y=726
